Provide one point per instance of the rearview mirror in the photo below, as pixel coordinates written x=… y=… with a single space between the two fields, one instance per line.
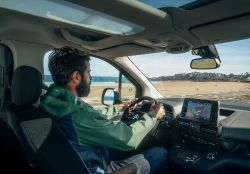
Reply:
x=205 y=63
x=210 y=58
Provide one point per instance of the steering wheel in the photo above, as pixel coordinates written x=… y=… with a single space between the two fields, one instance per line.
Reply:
x=130 y=115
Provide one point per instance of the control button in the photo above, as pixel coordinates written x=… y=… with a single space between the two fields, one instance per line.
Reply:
x=210 y=156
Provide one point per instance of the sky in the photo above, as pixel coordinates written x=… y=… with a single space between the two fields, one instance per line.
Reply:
x=235 y=58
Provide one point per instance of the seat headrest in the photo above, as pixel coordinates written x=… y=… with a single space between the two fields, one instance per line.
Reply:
x=26 y=86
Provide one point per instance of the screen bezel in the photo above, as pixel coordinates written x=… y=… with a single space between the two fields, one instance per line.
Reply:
x=214 y=110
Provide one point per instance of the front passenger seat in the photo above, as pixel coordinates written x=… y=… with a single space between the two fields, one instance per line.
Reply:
x=44 y=144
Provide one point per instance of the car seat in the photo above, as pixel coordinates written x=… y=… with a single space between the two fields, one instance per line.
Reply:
x=11 y=156
x=45 y=145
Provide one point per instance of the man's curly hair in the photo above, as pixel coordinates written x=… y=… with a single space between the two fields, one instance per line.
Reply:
x=64 y=61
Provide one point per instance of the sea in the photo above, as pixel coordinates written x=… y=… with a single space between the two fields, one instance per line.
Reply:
x=96 y=81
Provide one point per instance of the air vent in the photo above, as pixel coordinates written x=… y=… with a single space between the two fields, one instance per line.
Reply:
x=169 y=111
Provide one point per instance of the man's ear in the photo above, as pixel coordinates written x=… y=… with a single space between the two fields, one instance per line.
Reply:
x=76 y=77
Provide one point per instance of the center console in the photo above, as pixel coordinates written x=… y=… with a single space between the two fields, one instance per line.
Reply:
x=199 y=116
x=198 y=121
x=204 y=140
x=198 y=142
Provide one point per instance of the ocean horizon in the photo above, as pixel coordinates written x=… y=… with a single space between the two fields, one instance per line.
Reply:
x=96 y=81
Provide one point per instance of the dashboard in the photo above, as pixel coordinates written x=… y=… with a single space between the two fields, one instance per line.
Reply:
x=205 y=136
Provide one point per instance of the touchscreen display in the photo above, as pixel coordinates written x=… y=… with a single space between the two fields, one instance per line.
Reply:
x=198 y=111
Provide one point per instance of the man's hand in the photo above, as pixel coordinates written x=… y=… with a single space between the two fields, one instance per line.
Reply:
x=124 y=106
x=159 y=110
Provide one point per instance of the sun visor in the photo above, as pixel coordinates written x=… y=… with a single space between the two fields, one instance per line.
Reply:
x=222 y=31
x=124 y=50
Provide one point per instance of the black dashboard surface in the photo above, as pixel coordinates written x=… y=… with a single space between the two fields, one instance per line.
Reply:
x=227 y=151
x=233 y=117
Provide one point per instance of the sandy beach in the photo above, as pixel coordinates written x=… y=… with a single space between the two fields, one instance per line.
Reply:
x=223 y=91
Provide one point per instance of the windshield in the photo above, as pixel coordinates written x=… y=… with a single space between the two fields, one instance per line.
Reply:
x=172 y=76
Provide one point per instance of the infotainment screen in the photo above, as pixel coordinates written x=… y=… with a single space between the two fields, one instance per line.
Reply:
x=200 y=110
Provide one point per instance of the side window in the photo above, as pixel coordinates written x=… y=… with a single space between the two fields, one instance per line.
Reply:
x=104 y=75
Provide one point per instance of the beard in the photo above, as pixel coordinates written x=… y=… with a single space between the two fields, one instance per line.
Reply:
x=83 y=89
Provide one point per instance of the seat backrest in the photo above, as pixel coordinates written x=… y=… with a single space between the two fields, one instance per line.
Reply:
x=44 y=144
x=11 y=157
x=6 y=72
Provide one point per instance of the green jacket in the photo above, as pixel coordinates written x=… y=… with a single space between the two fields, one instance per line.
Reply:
x=91 y=127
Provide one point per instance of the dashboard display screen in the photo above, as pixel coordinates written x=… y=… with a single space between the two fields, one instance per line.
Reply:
x=198 y=111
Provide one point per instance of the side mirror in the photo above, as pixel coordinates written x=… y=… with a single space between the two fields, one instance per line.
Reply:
x=110 y=97
x=205 y=63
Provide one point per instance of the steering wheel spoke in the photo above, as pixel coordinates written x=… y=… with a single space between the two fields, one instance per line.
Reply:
x=135 y=111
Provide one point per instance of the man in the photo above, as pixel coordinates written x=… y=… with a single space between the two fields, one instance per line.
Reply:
x=91 y=133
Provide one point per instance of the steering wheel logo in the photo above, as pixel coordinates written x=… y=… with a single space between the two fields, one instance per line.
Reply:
x=136 y=117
